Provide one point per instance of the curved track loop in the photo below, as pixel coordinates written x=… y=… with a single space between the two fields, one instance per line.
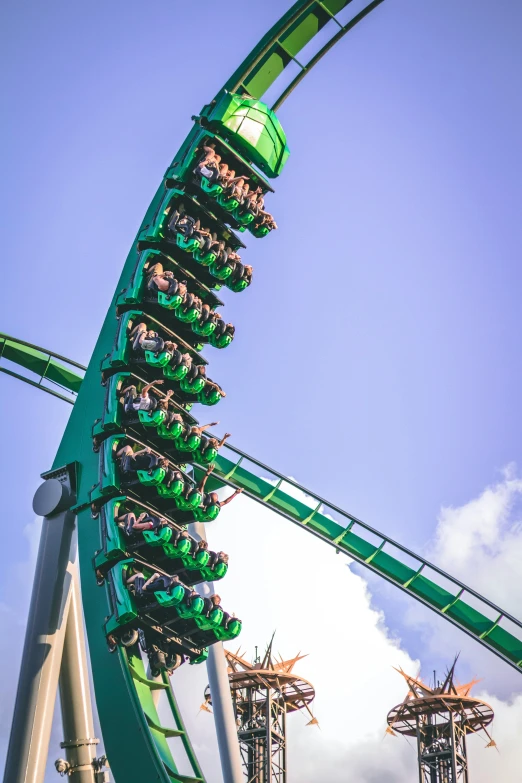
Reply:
x=495 y=629
x=140 y=748
x=280 y=47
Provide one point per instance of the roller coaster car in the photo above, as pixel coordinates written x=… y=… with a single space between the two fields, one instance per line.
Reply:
x=228 y=209
x=186 y=249
x=156 y=547
x=147 y=485
x=160 y=618
x=139 y=422
x=176 y=612
x=162 y=306
x=162 y=362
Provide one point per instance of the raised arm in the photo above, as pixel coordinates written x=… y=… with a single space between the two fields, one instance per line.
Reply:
x=223 y=439
x=206 y=426
x=234 y=494
x=205 y=477
x=150 y=385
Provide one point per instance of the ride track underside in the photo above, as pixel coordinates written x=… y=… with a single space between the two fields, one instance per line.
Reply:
x=245 y=130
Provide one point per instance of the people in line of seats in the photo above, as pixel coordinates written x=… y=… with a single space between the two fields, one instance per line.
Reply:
x=145 y=521
x=179 y=366
x=144 y=587
x=218 y=172
x=209 y=504
x=131 y=461
x=190 y=307
x=224 y=263
x=141 y=585
x=186 y=437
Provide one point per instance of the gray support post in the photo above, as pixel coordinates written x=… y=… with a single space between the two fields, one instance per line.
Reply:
x=44 y=637
x=75 y=696
x=223 y=710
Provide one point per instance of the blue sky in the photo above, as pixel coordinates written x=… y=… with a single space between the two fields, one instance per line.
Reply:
x=391 y=290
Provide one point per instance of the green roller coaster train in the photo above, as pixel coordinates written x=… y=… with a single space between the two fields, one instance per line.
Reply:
x=133 y=449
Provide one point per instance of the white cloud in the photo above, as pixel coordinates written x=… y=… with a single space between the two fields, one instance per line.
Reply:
x=283 y=579
x=480 y=543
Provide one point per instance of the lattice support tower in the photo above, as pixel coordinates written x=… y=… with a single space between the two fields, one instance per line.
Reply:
x=263 y=693
x=440 y=718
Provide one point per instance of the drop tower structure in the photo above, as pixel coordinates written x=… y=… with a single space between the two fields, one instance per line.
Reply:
x=440 y=718
x=263 y=693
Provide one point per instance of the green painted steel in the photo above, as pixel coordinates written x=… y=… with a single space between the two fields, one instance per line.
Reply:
x=425 y=582
x=43 y=367
x=282 y=44
x=253 y=129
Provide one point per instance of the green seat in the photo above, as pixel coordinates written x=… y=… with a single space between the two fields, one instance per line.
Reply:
x=262 y=231
x=213 y=189
x=170 y=599
x=226 y=634
x=169 y=302
x=220 y=272
x=170 y=433
x=175 y=489
x=211 y=622
x=151 y=418
x=178 y=550
x=212 y=574
x=194 y=609
x=219 y=570
x=243 y=219
x=158 y=537
x=205 y=259
x=206 y=330
x=187 y=243
x=175 y=373
x=206 y=457
x=189 y=503
x=201 y=658
x=209 y=399
x=188 y=316
x=197 y=562
x=223 y=341
x=193 y=387
x=238 y=285
x=151 y=480
x=161 y=360
x=229 y=204
x=189 y=444
x=208 y=514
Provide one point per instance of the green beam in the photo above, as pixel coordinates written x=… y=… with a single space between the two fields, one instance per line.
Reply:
x=286 y=40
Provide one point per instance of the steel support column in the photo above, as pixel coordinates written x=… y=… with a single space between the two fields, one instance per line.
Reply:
x=75 y=696
x=217 y=670
x=44 y=637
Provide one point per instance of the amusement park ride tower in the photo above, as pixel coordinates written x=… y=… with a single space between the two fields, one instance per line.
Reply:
x=263 y=693
x=440 y=718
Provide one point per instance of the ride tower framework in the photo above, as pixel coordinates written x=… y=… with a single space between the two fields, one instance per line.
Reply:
x=440 y=718
x=263 y=693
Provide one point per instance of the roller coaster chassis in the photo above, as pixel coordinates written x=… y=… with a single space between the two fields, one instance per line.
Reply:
x=83 y=491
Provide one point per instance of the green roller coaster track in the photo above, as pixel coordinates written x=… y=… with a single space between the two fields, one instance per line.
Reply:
x=120 y=681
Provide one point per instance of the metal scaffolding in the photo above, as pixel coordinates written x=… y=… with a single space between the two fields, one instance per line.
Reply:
x=440 y=717
x=263 y=692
